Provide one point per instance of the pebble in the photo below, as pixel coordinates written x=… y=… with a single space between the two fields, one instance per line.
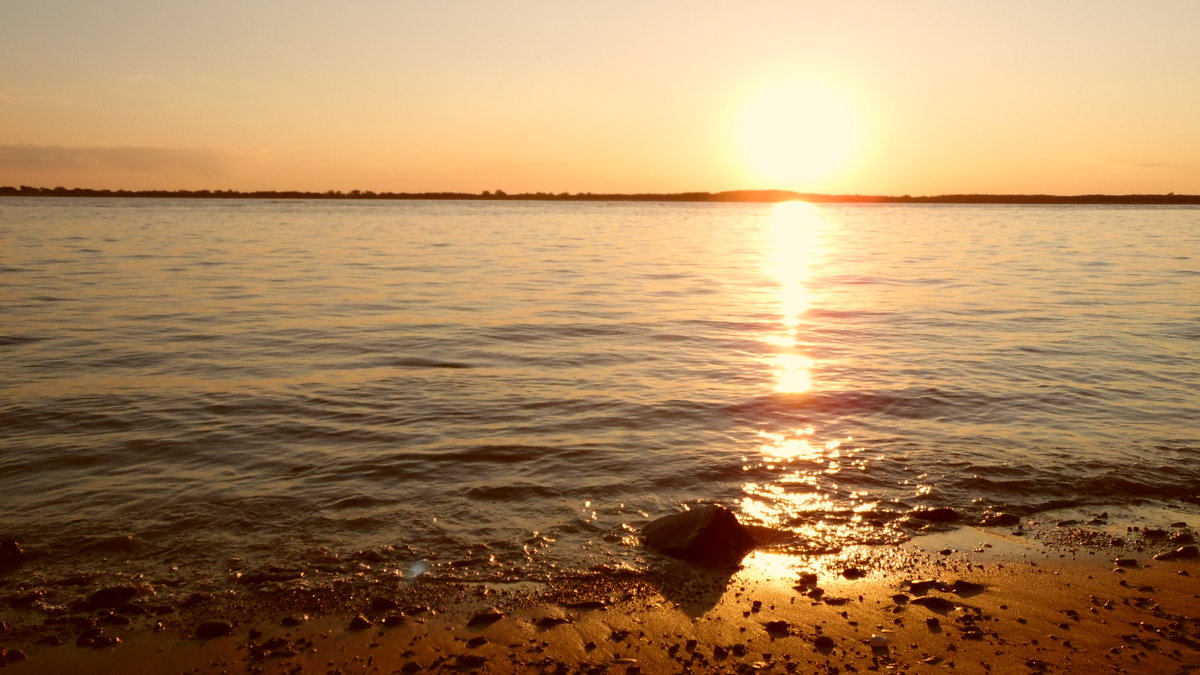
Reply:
x=934 y=603
x=360 y=622
x=878 y=642
x=213 y=628
x=486 y=617
x=823 y=642
x=113 y=596
x=778 y=627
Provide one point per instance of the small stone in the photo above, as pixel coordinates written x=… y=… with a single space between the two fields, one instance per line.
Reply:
x=1125 y=562
x=383 y=604
x=960 y=587
x=213 y=629
x=778 y=627
x=477 y=641
x=878 y=642
x=853 y=573
x=934 y=603
x=707 y=534
x=547 y=622
x=293 y=620
x=360 y=622
x=901 y=598
x=15 y=655
x=933 y=622
x=823 y=642
x=999 y=519
x=485 y=618
x=113 y=596
x=937 y=515
x=393 y=619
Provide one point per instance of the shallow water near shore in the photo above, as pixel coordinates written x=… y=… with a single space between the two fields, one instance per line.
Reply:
x=208 y=391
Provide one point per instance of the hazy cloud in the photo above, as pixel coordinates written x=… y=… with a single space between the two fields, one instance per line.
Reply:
x=197 y=161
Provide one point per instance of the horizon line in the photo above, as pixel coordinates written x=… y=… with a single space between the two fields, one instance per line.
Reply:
x=745 y=196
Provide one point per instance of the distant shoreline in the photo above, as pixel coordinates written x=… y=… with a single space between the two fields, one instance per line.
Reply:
x=751 y=196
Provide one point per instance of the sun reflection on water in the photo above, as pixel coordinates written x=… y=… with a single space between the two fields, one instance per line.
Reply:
x=801 y=494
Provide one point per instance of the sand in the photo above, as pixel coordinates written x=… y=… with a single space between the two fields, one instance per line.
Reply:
x=1025 y=603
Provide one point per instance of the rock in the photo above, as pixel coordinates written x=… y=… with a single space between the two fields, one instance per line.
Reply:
x=477 y=641
x=113 y=596
x=923 y=586
x=853 y=573
x=933 y=622
x=934 y=603
x=1179 y=553
x=485 y=618
x=823 y=642
x=293 y=620
x=547 y=622
x=393 y=619
x=901 y=598
x=1183 y=538
x=778 y=627
x=707 y=534
x=360 y=622
x=213 y=628
x=878 y=642
x=1179 y=523
x=960 y=587
x=1125 y=562
x=999 y=519
x=940 y=514
x=380 y=604
x=11 y=554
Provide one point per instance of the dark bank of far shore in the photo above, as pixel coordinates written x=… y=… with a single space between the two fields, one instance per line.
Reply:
x=1039 y=596
x=735 y=196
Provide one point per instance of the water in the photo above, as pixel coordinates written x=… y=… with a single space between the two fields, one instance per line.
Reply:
x=507 y=390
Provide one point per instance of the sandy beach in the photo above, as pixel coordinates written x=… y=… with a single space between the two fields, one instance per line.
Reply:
x=1041 y=598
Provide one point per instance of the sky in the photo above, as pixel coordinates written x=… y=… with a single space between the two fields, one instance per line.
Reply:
x=869 y=97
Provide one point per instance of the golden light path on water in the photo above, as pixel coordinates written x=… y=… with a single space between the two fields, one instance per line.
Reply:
x=797 y=498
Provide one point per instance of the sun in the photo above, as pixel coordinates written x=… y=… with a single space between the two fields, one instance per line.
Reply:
x=797 y=134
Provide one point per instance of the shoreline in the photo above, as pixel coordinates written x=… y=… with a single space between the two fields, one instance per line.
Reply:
x=1050 y=599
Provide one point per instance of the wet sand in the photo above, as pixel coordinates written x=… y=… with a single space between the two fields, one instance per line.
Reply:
x=992 y=601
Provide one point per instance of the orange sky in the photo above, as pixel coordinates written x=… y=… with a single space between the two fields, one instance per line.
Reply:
x=920 y=97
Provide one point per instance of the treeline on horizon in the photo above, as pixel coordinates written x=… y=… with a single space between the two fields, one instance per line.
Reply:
x=762 y=196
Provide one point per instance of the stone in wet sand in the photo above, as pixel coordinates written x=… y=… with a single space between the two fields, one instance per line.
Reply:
x=707 y=534
x=213 y=628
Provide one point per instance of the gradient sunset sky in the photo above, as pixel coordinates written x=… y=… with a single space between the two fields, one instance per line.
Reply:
x=920 y=97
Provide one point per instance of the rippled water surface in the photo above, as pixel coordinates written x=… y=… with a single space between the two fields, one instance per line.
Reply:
x=507 y=387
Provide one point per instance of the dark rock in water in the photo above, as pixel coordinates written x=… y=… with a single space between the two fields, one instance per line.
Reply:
x=999 y=519
x=113 y=596
x=11 y=554
x=360 y=622
x=213 y=628
x=935 y=603
x=941 y=514
x=707 y=534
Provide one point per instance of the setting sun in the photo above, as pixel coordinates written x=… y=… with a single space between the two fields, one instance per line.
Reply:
x=799 y=132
